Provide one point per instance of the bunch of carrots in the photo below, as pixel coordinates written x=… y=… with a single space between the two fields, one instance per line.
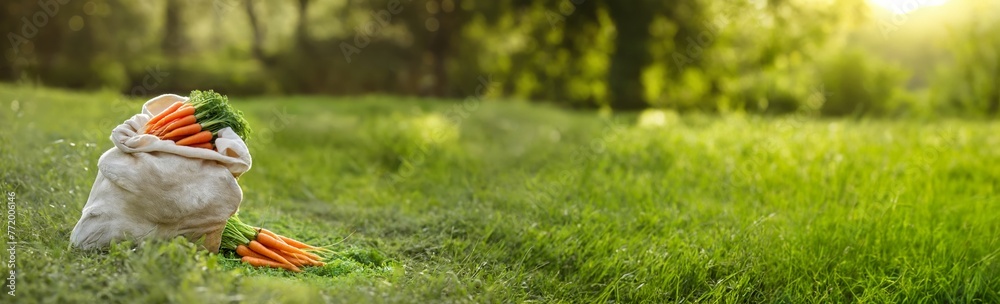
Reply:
x=197 y=121
x=262 y=248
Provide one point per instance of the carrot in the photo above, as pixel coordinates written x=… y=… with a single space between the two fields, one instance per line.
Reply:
x=173 y=107
x=181 y=122
x=308 y=260
x=184 y=110
x=312 y=255
x=297 y=244
x=207 y=145
x=259 y=248
x=182 y=131
x=295 y=261
x=180 y=113
x=290 y=256
x=197 y=138
x=243 y=251
x=288 y=240
x=258 y=262
x=271 y=242
x=272 y=234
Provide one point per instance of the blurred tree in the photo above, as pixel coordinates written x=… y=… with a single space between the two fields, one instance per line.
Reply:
x=859 y=86
x=256 y=35
x=173 y=42
x=760 y=55
x=632 y=20
x=970 y=82
x=301 y=25
x=434 y=28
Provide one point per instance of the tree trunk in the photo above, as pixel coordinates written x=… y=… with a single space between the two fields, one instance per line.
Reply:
x=257 y=44
x=301 y=30
x=173 y=37
x=631 y=55
x=440 y=45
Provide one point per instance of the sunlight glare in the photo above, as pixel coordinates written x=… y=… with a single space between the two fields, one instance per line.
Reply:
x=906 y=6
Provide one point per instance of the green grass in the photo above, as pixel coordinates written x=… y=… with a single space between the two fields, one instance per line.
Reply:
x=520 y=202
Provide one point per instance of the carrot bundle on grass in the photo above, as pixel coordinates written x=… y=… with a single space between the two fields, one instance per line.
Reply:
x=266 y=251
x=243 y=250
x=259 y=262
x=271 y=242
x=262 y=248
x=289 y=241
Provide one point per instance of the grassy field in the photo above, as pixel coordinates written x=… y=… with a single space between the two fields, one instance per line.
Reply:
x=512 y=202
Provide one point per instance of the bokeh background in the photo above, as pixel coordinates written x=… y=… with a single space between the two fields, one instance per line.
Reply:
x=825 y=58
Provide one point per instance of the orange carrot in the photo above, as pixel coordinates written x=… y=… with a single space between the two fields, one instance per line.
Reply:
x=295 y=256
x=301 y=255
x=243 y=251
x=297 y=244
x=180 y=113
x=308 y=260
x=258 y=248
x=271 y=242
x=163 y=114
x=197 y=138
x=181 y=122
x=272 y=234
x=207 y=145
x=182 y=132
x=258 y=262
x=294 y=260
x=311 y=255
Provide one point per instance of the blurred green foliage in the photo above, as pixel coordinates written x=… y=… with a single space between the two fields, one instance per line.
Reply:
x=970 y=82
x=833 y=58
x=859 y=85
